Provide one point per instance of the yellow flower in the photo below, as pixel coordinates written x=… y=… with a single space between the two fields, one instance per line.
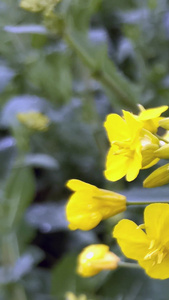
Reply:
x=149 y=248
x=124 y=156
x=89 y=205
x=34 y=120
x=151 y=117
x=95 y=258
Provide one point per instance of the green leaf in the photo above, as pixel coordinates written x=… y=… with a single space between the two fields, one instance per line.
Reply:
x=19 y=192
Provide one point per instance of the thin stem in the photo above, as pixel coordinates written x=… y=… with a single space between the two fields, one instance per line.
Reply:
x=129 y=203
x=128 y=265
x=102 y=76
x=10 y=254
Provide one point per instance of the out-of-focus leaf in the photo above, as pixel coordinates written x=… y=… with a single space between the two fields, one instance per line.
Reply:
x=79 y=239
x=7 y=155
x=104 y=70
x=19 y=192
x=41 y=161
x=30 y=28
x=6 y=75
x=134 y=284
x=37 y=283
x=22 y=266
x=134 y=16
x=47 y=217
x=64 y=278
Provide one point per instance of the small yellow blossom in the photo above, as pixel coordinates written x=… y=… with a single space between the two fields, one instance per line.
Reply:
x=38 y=5
x=151 y=117
x=34 y=120
x=95 y=258
x=150 y=247
x=88 y=205
x=72 y=296
x=158 y=177
x=124 y=156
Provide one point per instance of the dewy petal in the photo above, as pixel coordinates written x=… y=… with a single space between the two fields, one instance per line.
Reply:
x=116 y=166
x=131 y=239
x=152 y=113
x=156 y=219
x=158 y=271
x=116 y=128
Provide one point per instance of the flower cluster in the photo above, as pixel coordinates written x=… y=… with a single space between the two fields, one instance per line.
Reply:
x=134 y=145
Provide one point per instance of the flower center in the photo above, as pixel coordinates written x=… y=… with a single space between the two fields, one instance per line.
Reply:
x=156 y=253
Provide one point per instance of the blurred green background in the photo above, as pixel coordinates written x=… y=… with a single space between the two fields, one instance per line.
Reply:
x=85 y=60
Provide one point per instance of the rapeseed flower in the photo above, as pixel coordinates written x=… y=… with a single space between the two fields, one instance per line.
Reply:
x=151 y=117
x=124 y=156
x=89 y=205
x=132 y=147
x=95 y=258
x=150 y=247
x=34 y=120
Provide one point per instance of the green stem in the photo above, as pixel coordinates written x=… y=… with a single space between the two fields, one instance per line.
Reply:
x=10 y=254
x=128 y=265
x=102 y=76
x=129 y=203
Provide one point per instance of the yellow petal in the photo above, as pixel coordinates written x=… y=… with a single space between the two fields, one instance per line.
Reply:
x=116 y=128
x=82 y=211
x=116 y=165
x=156 y=219
x=158 y=271
x=134 y=166
x=76 y=185
x=131 y=239
x=152 y=113
x=134 y=125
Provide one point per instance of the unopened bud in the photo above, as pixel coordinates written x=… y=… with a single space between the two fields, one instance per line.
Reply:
x=157 y=178
x=163 y=152
x=164 y=123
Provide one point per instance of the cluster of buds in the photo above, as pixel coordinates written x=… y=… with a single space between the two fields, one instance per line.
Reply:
x=134 y=145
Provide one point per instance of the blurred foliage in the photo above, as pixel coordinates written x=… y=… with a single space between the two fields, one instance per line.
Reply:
x=83 y=61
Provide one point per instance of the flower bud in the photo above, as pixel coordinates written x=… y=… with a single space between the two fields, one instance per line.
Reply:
x=157 y=178
x=164 y=123
x=34 y=120
x=95 y=258
x=163 y=152
x=88 y=205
